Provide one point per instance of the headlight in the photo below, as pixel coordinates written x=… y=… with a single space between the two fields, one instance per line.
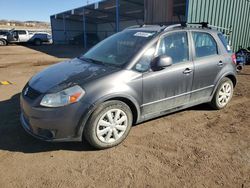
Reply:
x=63 y=98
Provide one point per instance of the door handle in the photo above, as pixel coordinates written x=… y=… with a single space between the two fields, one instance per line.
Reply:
x=220 y=64
x=187 y=71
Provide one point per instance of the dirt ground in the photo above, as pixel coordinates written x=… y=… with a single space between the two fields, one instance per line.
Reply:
x=198 y=147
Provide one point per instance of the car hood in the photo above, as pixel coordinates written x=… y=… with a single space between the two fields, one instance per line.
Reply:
x=65 y=74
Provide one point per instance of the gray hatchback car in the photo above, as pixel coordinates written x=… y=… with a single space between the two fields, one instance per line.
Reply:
x=135 y=75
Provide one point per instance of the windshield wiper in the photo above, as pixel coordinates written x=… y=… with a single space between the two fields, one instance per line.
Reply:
x=92 y=60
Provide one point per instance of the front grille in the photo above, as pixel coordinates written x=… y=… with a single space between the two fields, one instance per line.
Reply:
x=30 y=92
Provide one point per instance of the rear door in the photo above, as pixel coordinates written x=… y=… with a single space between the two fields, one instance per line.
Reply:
x=23 y=36
x=208 y=62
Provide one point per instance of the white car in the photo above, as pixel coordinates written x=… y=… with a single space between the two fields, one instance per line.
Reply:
x=24 y=36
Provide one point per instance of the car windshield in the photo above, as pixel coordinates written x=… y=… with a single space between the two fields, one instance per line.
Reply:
x=120 y=48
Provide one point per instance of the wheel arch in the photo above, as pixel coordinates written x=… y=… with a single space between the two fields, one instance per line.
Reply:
x=231 y=76
x=37 y=39
x=130 y=101
x=130 y=104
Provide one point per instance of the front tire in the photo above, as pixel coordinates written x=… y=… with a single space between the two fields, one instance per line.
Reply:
x=109 y=125
x=223 y=94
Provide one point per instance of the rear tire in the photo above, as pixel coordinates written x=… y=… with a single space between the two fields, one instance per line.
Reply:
x=3 y=42
x=109 y=125
x=223 y=94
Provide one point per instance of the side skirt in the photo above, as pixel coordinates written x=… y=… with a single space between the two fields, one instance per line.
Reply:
x=163 y=113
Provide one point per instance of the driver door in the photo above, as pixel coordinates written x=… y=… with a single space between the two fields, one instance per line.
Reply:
x=169 y=88
x=13 y=36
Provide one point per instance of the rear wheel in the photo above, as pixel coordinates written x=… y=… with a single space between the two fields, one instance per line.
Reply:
x=3 y=42
x=109 y=125
x=223 y=94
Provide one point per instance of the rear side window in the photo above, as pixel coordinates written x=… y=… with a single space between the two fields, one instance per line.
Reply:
x=22 y=32
x=224 y=42
x=205 y=45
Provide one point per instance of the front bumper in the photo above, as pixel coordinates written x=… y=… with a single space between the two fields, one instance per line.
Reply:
x=53 y=124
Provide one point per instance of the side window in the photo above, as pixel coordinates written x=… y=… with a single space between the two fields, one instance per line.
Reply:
x=21 y=32
x=175 y=45
x=205 y=45
x=224 y=42
x=143 y=64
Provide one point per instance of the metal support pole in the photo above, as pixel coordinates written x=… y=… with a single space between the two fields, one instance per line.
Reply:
x=117 y=16
x=186 y=14
x=64 y=28
x=84 y=31
x=52 y=22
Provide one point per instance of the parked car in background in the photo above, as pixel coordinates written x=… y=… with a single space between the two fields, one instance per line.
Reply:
x=133 y=76
x=24 y=36
x=3 y=37
x=245 y=53
x=243 y=58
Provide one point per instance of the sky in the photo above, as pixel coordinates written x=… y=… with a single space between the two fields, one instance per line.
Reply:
x=36 y=10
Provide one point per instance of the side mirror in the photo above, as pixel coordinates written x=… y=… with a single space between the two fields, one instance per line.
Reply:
x=161 y=62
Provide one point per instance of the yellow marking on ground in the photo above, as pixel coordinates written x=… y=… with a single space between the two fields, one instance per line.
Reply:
x=5 y=83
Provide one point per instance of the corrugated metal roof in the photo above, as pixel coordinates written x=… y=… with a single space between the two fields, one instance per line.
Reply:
x=106 y=11
x=84 y=4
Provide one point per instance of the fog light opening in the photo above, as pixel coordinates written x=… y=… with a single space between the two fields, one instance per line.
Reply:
x=49 y=134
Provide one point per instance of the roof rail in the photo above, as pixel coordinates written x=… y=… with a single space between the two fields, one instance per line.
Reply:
x=175 y=26
x=133 y=26
x=142 y=26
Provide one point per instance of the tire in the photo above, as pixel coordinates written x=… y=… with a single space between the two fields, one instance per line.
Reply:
x=223 y=94
x=102 y=134
x=3 y=42
x=38 y=42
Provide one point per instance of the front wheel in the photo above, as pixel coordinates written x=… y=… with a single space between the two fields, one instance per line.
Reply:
x=223 y=94
x=109 y=125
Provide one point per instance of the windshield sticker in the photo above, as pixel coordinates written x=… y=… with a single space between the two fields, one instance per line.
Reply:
x=143 y=34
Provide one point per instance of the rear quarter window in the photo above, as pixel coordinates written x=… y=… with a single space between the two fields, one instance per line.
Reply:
x=224 y=42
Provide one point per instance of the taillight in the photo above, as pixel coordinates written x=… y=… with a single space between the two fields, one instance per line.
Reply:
x=234 y=59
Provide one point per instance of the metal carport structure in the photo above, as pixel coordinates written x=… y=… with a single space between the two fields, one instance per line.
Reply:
x=104 y=17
